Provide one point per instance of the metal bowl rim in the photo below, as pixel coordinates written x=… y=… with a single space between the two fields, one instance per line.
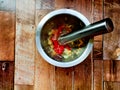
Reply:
x=38 y=38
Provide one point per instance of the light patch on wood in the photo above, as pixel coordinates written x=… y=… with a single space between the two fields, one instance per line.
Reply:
x=25 y=42
x=45 y=4
x=116 y=54
x=7 y=5
x=24 y=64
x=25 y=11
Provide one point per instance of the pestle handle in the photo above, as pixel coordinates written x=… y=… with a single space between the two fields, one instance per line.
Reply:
x=97 y=28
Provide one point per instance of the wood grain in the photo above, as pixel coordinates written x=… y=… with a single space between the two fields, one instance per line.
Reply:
x=65 y=4
x=111 y=85
x=83 y=71
x=97 y=10
x=98 y=75
x=98 y=50
x=80 y=5
x=23 y=87
x=7 y=36
x=64 y=78
x=44 y=72
x=98 y=40
x=45 y=4
x=40 y=14
x=88 y=75
x=25 y=46
x=6 y=75
x=83 y=76
x=111 y=70
x=74 y=78
x=112 y=40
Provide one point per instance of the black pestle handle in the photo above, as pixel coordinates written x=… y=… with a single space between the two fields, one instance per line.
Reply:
x=97 y=28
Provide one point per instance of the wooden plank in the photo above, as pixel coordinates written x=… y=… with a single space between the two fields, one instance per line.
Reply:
x=83 y=71
x=112 y=40
x=65 y=4
x=83 y=76
x=25 y=46
x=98 y=75
x=40 y=14
x=7 y=5
x=44 y=72
x=64 y=78
x=97 y=50
x=97 y=10
x=24 y=58
x=111 y=70
x=23 y=87
x=111 y=85
x=6 y=75
x=79 y=5
x=45 y=4
x=7 y=36
x=98 y=15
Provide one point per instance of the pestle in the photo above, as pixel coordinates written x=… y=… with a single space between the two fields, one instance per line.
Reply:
x=97 y=28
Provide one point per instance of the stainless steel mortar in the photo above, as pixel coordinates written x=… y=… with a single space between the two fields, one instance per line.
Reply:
x=46 y=25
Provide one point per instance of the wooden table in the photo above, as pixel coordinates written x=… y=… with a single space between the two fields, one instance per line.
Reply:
x=22 y=67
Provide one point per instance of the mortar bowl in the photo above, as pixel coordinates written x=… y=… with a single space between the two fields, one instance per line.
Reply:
x=53 y=20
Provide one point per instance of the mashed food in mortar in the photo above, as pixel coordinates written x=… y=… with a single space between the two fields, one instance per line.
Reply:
x=66 y=52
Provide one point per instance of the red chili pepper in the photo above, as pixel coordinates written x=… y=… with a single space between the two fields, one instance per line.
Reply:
x=60 y=30
x=59 y=49
x=67 y=47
